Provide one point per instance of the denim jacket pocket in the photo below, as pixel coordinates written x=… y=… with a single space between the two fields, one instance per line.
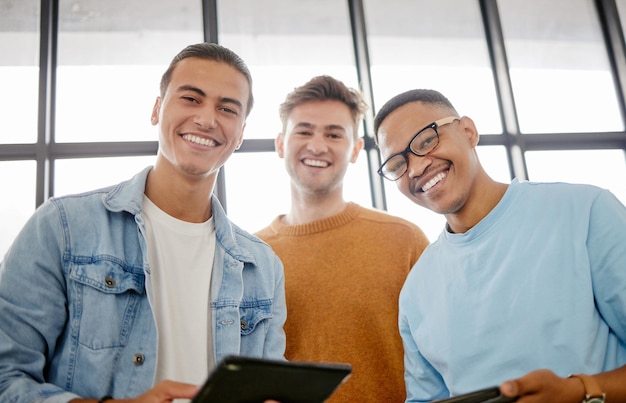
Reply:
x=253 y=314
x=104 y=303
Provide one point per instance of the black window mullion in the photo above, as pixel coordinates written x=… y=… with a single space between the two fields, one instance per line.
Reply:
x=504 y=90
x=47 y=85
x=363 y=67
x=209 y=13
x=613 y=33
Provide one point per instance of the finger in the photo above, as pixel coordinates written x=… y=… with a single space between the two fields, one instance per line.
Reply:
x=183 y=390
x=509 y=388
x=176 y=390
x=527 y=384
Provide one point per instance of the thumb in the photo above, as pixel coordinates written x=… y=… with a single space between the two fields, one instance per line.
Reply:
x=509 y=388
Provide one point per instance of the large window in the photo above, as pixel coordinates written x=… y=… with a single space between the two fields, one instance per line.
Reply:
x=286 y=43
x=111 y=55
x=560 y=71
x=443 y=48
x=544 y=82
x=19 y=41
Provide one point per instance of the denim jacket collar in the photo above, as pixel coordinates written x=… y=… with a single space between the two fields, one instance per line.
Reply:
x=128 y=196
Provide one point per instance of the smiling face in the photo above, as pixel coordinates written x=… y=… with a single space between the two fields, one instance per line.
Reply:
x=443 y=180
x=201 y=117
x=318 y=144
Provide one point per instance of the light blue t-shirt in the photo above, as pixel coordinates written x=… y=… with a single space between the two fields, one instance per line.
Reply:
x=540 y=282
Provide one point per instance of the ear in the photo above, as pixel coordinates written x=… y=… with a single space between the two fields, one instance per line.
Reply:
x=279 y=144
x=241 y=136
x=154 y=119
x=358 y=146
x=470 y=130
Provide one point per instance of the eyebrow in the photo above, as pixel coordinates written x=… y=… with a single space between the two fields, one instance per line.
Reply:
x=308 y=125
x=192 y=89
x=335 y=127
x=198 y=91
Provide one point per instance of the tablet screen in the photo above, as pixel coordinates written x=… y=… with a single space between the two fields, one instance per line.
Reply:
x=489 y=395
x=253 y=380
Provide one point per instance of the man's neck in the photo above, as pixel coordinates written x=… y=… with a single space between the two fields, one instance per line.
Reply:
x=182 y=198
x=306 y=209
x=484 y=199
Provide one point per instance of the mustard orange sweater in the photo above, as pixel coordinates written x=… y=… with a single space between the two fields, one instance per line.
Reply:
x=343 y=277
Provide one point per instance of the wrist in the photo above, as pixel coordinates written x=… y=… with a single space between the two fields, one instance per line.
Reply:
x=592 y=391
x=579 y=387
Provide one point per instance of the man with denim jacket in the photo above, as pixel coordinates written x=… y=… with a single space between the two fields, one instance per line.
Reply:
x=138 y=290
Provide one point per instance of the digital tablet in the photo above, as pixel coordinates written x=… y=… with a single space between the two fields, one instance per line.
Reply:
x=254 y=380
x=489 y=395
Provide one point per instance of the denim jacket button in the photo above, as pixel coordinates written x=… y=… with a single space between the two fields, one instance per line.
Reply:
x=243 y=325
x=138 y=359
x=109 y=282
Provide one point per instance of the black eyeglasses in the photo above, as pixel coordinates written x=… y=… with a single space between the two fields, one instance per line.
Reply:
x=421 y=144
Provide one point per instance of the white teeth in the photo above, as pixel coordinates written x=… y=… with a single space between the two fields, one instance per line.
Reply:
x=433 y=181
x=315 y=163
x=199 y=140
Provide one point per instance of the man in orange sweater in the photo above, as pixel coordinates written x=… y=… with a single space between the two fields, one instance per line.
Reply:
x=344 y=264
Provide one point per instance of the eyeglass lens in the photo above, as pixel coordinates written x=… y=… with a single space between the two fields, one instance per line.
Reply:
x=420 y=145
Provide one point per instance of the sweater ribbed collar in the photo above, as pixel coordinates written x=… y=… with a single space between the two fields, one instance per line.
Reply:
x=347 y=215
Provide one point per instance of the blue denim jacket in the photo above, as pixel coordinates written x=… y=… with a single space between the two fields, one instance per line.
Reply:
x=75 y=299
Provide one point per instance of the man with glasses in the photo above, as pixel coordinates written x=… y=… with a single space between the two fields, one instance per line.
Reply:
x=524 y=287
x=344 y=264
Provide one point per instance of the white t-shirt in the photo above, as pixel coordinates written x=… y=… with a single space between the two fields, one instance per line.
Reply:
x=181 y=259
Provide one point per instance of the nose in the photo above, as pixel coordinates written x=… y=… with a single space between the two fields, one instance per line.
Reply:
x=206 y=119
x=317 y=144
x=416 y=165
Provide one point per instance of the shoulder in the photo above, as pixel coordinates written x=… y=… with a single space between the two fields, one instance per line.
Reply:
x=386 y=226
x=244 y=236
x=267 y=232
x=234 y=238
x=376 y=216
x=123 y=196
x=251 y=242
x=83 y=197
x=559 y=193
x=557 y=187
x=79 y=205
